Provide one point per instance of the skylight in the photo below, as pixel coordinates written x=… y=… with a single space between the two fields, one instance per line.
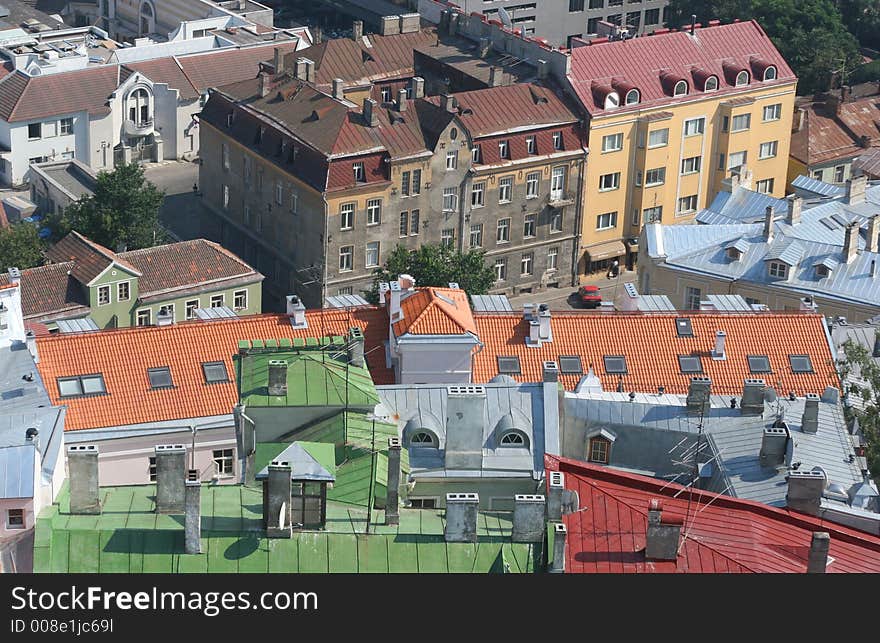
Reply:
x=683 y=327
x=615 y=364
x=160 y=377
x=509 y=365
x=81 y=385
x=800 y=363
x=759 y=363
x=570 y=365
x=215 y=372
x=690 y=364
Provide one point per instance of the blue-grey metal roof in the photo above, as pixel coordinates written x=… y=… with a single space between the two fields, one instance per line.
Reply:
x=20 y=384
x=815 y=186
x=786 y=250
x=491 y=303
x=302 y=465
x=740 y=244
x=84 y=325
x=17 y=471
x=655 y=304
x=345 y=301
x=730 y=303
x=741 y=206
x=220 y=312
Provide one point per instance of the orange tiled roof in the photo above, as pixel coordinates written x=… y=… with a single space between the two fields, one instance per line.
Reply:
x=436 y=311
x=651 y=347
x=90 y=258
x=123 y=357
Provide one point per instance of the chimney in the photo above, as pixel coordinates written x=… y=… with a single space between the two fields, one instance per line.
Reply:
x=873 y=234
x=855 y=189
x=447 y=102
x=807 y=305
x=401 y=100
x=384 y=289
x=495 y=76
x=795 y=208
x=338 y=89
x=310 y=71
x=14 y=275
x=297 y=311
x=357 y=29
x=774 y=444
x=799 y=117
x=164 y=318
x=355 y=347
x=465 y=416
x=32 y=435
x=698 y=394
x=301 y=71
x=752 y=402
x=277 y=377
x=805 y=489
x=768 y=224
x=693 y=23
x=483 y=48
x=851 y=242
x=395 y=294
x=810 y=419
x=417 y=83
x=170 y=478
x=559 y=534
x=554 y=500
x=193 y=519
x=550 y=372
x=461 y=517
x=264 y=84
x=410 y=23
x=663 y=534
x=371 y=112
x=392 y=500
x=82 y=467
x=317 y=35
x=528 y=518
x=543 y=69
x=30 y=341
x=718 y=353
x=818 y=557
x=279 y=61
x=389 y=25
x=276 y=500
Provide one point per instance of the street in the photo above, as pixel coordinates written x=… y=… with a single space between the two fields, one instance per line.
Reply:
x=562 y=298
x=181 y=213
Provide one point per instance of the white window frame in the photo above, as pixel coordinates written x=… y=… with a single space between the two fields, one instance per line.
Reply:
x=500 y=267
x=62 y=128
x=694 y=126
x=450 y=199
x=235 y=297
x=447 y=237
x=714 y=87
x=769 y=184
x=527 y=264
x=103 y=289
x=692 y=297
x=223 y=462
x=557 y=182
x=502 y=231
x=347 y=265
x=9 y=523
x=279 y=193
x=189 y=309
x=346 y=214
x=555 y=221
x=747 y=117
x=119 y=286
x=773 y=146
x=553 y=258
x=360 y=172
x=504 y=149
x=664 y=133
x=478 y=194
x=372 y=246
x=451 y=161
x=774 y=110
x=692 y=198
x=742 y=79
x=476 y=233
x=222 y=299
x=696 y=164
x=374 y=212
x=606 y=220
x=744 y=155
x=557 y=141
x=680 y=89
x=612 y=142
x=777 y=269
x=145 y=314
x=533 y=181
x=505 y=189
x=614 y=184
x=656 y=170
x=531 y=145
x=530 y=221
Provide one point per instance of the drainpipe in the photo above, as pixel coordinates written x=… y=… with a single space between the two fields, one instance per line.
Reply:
x=578 y=215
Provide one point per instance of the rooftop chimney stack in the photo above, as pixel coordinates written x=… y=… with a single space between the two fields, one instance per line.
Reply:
x=820 y=543
x=276 y=500
x=32 y=435
x=447 y=102
x=417 y=83
x=528 y=518
x=317 y=34
x=805 y=489
x=855 y=189
x=768 y=224
x=371 y=112
x=698 y=394
x=384 y=289
x=545 y=331
x=297 y=311
x=752 y=402
x=170 y=478
x=410 y=22
x=550 y=372
x=851 y=242
x=559 y=537
x=808 y=305
x=718 y=353
x=264 y=84
x=395 y=295
x=872 y=243
x=392 y=501
x=663 y=534
x=355 y=347
x=543 y=69
x=193 y=520
x=338 y=89
x=278 y=61
x=301 y=72
x=795 y=208
x=554 y=499
x=484 y=47
x=401 y=100
x=357 y=30
x=774 y=444
x=465 y=415
x=389 y=25
x=810 y=419
x=310 y=71
x=14 y=275
x=277 y=377
x=82 y=466
x=495 y=76
x=693 y=23
x=461 y=517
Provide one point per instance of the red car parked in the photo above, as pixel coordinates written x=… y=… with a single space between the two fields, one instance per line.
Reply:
x=589 y=296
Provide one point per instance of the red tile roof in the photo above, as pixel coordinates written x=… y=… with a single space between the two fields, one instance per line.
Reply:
x=214 y=69
x=24 y=98
x=653 y=63
x=721 y=534
x=436 y=311
x=50 y=290
x=651 y=347
x=123 y=357
x=89 y=259
x=168 y=71
x=825 y=136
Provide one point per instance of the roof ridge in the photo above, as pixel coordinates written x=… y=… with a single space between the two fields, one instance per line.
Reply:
x=446 y=312
x=185 y=75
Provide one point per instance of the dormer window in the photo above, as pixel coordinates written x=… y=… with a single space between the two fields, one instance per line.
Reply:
x=599 y=450
x=514 y=439
x=531 y=145
x=504 y=149
x=612 y=100
x=777 y=269
x=822 y=271
x=711 y=84
x=632 y=97
x=681 y=88
x=422 y=439
x=734 y=254
x=359 y=173
x=476 y=155
x=770 y=73
x=742 y=78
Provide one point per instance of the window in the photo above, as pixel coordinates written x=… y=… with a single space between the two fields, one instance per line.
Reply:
x=612 y=142
x=555 y=221
x=81 y=385
x=529 y=226
x=151 y=468
x=225 y=197
x=417 y=182
x=294 y=200
x=592 y=26
x=768 y=150
x=504 y=149
x=736 y=159
x=606 y=221
x=414 y=222
x=476 y=238
x=240 y=299
x=652 y=215
x=346 y=258
x=632 y=97
x=570 y=365
x=509 y=365
x=218 y=301
x=597 y=4
x=557 y=183
x=404 y=184
x=742 y=78
x=575 y=5
x=477 y=194
x=765 y=186
x=225 y=155
x=344 y=291
x=758 y=363
x=741 y=122
x=248 y=168
x=49 y=129
x=599 y=450
x=800 y=363
x=385 y=93
x=450 y=199
x=191 y=306
x=122 y=291
x=777 y=269
x=476 y=154
x=615 y=364
x=500 y=269
x=652 y=17
x=505 y=189
x=691 y=165
x=552 y=258
x=346 y=216
x=513 y=439
x=609 y=181
x=773 y=112
x=839 y=173
x=423 y=503
x=160 y=377
x=372 y=258
x=103 y=295
x=694 y=126
x=35 y=131
x=770 y=73
x=711 y=84
x=374 y=211
x=66 y=126
x=502 y=234
x=223 y=459
x=527 y=264
x=531 y=145
x=692 y=298
x=422 y=439
x=690 y=364
x=143 y=317
x=404 y=223
x=532 y=181
x=15 y=518
x=451 y=160
x=683 y=325
x=658 y=138
x=279 y=193
x=557 y=141
x=359 y=174
x=681 y=88
x=656 y=176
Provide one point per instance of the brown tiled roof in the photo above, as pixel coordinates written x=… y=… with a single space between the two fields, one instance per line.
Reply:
x=825 y=136
x=165 y=70
x=24 y=98
x=436 y=311
x=221 y=68
x=89 y=259
x=50 y=290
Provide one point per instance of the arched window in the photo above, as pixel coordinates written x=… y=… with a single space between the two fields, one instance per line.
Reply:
x=600 y=450
x=514 y=439
x=422 y=439
x=711 y=84
x=681 y=88
x=770 y=73
x=742 y=78
x=612 y=100
x=148 y=19
x=139 y=106
x=632 y=97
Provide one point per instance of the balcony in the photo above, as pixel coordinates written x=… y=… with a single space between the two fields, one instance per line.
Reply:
x=560 y=199
x=138 y=128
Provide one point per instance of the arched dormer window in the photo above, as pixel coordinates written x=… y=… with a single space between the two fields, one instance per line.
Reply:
x=423 y=439
x=148 y=19
x=514 y=439
x=612 y=100
x=711 y=84
x=770 y=73
x=138 y=102
x=681 y=88
x=742 y=78
x=632 y=97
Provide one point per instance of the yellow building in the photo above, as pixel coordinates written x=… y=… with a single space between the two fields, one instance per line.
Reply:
x=670 y=116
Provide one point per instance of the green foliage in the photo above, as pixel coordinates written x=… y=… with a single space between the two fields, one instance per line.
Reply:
x=862 y=376
x=20 y=246
x=123 y=211
x=866 y=73
x=809 y=34
x=436 y=265
x=862 y=18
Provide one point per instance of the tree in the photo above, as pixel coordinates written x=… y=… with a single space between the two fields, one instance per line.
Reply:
x=20 y=246
x=861 y=375
x=809 y=34
x=862 y=18
x=123 y=211
x=436 y=265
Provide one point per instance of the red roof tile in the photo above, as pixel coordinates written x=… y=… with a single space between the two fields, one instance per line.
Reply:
x=89 y=259
x=168 y=71
x=825 y=136
x=651 y=347
x=24 y=98
x=721 y=534
x=50 y=290
x=214 y=69
x=436 y=311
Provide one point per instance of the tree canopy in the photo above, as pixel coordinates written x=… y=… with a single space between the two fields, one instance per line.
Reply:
x=20 y=246
x=862 y=18
x=862 y=377
x=123 y=211
x=436 y=265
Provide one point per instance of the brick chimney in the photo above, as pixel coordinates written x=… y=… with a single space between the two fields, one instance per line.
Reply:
x=461 y=517
x=698 y=394
x=851 y=242
x=417 y=83
x=371 y=112
x=795 y=208
x=663 y=534
x=170 y=478
x=855 y=189
x=820 y=543
x=768 y=224
x=805 y=489
x=774 y=445
x=873 y=234
x=528 y=518
x=752 y=402
x=193 y=510
x=810 y=418
x=82 y=466
x=447 y=102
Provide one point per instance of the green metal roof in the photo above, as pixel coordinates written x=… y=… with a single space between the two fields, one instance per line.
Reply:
x=130 y=538
x=315 y=377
